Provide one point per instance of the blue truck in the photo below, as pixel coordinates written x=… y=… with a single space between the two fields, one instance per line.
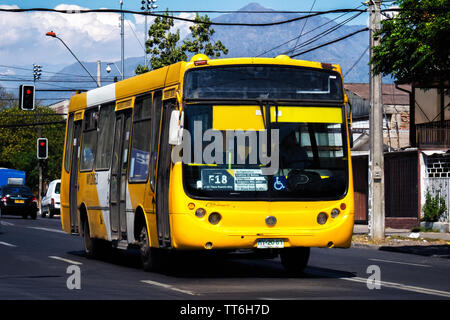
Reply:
x=11 y=176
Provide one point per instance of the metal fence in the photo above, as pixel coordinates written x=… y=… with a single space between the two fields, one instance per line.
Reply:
x=440 y=186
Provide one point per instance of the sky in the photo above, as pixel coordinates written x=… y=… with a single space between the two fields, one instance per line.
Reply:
x=96 y=36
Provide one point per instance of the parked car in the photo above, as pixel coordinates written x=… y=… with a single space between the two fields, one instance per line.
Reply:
x=18 y=200
x=51 y=204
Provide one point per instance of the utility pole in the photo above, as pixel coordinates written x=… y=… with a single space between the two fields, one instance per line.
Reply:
x=122 y=38
x=99 y=73
x=376 y=157
x=147 y=6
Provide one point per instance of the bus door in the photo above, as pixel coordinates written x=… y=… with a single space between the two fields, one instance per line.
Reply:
x=163 y=177
x=73 y=189
x=119 y=175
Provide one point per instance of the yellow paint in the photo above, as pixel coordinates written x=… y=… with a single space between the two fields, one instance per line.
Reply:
x=307 y=114
x=247 y=118
x=250 y=117
x=244 y=221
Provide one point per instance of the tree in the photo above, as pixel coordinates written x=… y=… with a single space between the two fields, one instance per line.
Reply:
x=201 y=34
x=415 y=43
x=18 y=136
x=163 y=45
x=6 y=99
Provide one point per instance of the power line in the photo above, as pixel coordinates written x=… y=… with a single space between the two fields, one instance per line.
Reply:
x=301 y=31
x=81 y=11
x=324 y=33
x=330 y=42
x=356 y=62
x=307 y=32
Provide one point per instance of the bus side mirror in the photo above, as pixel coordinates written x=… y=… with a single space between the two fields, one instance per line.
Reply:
x=176 y=127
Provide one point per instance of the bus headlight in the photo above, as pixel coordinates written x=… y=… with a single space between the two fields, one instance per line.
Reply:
x=214 y=218
x=322 y=218
x=200 y=213
x=335 y=212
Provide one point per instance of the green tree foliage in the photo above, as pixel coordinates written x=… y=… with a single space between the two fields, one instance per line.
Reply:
x=434 y=207
x=415 y=43
x=164 y=48
x=18 y=134
x=200 y=41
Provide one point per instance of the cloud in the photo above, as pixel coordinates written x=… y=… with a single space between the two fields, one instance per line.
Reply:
x=91 y=36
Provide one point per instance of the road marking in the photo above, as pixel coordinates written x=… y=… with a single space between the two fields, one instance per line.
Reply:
x=65 y=260
x=386 y=284
x=167 y=286
x=47 y=229
x=403 y=287
x=6 y=223
x=398 y=262
x=7 y=244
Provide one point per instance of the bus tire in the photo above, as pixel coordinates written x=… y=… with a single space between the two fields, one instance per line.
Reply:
x=91 y=245
x=295 y=260
x=150 y=257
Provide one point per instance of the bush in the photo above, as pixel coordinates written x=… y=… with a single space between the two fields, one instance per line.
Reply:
x=434 y=207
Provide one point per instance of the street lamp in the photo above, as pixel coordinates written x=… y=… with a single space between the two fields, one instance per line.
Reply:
x=53 y=35
x=147 y=6
x=108 y=68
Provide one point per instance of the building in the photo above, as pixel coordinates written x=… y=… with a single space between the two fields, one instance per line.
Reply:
x=61 y=107
x=416 y=145
x=395 y=115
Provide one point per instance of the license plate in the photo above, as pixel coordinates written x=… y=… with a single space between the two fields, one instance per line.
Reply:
x=269 y=243
x=19 y=201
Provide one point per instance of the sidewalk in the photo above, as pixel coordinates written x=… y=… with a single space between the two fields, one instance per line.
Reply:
x=431 y=244
x=361 y=229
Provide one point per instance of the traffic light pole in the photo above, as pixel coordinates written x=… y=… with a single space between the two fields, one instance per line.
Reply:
x=39 y=161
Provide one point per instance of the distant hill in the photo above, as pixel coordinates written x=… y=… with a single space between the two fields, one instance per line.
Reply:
x=254 y=41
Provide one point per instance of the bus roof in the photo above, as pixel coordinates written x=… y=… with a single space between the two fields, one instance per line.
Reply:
x=172 y=75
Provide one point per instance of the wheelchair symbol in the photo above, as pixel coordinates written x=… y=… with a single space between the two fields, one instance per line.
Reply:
x=280 y=183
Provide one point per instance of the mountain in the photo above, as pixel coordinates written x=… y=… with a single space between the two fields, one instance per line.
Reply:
x=254 y=41
x=243 y=41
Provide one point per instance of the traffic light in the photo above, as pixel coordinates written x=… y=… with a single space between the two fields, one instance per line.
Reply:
x=26 y=97
x=42 y=148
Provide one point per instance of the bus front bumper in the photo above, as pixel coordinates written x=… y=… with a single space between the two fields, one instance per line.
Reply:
x=190 y=233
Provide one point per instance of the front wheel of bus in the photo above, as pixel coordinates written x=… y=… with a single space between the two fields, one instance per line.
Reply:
x=151 y=258
x=93 y=247
x=295 y=260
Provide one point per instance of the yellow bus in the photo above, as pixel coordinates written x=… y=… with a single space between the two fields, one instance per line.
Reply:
x=212 y=154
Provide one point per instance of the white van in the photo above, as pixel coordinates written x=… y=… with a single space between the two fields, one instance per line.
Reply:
x=51 y=203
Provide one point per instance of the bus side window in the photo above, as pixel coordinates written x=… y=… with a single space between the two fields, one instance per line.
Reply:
x=69 y=144
x=157 y=105
x=89 y=140
x=105 y=137
x=140 y=141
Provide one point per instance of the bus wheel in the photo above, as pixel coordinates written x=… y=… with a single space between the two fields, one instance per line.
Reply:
x=295 y=260
x=151 y=257
x=90 y=244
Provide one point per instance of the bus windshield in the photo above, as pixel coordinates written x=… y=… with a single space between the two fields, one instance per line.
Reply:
x=262 y=82
x=305 y=146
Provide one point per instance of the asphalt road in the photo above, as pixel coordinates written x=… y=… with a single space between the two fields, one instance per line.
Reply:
x=37 y=261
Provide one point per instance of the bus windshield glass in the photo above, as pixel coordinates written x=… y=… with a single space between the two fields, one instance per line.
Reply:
x=263 y=82
x=228 y=152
